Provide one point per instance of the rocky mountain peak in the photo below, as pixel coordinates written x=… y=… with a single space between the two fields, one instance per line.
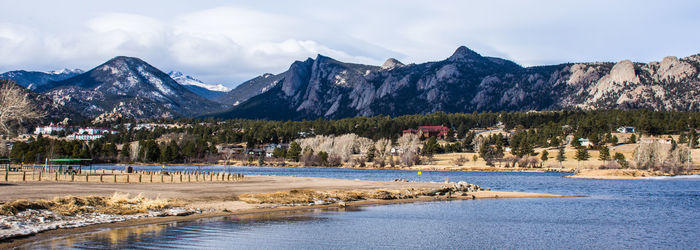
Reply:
x=624 y=71
x=464 y=54
x=391 y=63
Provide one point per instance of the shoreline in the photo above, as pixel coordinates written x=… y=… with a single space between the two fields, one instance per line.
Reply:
x=66 y=232
x=621 y=174
x=422 y=168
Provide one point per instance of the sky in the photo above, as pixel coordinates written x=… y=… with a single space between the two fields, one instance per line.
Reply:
x=229 y=42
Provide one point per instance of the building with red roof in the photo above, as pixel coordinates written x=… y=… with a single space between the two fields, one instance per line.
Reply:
x=439 y=132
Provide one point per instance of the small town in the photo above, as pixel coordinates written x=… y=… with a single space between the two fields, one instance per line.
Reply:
x=361 y=124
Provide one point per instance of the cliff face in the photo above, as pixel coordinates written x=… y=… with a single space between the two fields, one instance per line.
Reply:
x=467 y=82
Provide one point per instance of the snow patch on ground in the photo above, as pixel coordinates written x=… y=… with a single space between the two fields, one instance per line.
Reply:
x=34 y=221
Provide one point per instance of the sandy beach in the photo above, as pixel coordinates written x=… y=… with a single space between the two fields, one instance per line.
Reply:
x=617 y=174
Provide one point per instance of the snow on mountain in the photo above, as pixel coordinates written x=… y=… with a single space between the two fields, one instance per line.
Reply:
x=188 y=80
x=66 y=71
x=34 y=79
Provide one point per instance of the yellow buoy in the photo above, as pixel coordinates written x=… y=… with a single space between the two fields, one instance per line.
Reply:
x=163 y=166
x=419 y=173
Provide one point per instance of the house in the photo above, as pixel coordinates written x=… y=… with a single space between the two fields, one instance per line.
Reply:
x=439 y=132
x=235 y=148
x=585 y=142
x=256 y=152
x=625 y=130
x=47 y=130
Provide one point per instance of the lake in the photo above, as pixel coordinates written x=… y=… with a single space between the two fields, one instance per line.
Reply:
x=653 y=213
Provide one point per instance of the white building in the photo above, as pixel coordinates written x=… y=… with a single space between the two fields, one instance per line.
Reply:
x=585 y=142
x=625 y=130
x=47 y=130
x=96 y=131
x=84 y=137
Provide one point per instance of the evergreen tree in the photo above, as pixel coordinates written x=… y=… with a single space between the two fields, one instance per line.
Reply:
x=430 y=147
x=545 y=156
x=614 y=140
x=126 y=152
x=604 y=154
x=323 y=157
x=620 y=159
x=561 y=156
x=632 y=139
x=261 y=159
x=371 y=153
x=279 y=153
x=294 y=151
x=582 y=155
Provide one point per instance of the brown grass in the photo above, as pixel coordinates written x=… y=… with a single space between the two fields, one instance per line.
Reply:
x=297 y=196
x=118 y=203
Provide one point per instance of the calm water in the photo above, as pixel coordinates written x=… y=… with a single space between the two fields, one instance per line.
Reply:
x=660 y=213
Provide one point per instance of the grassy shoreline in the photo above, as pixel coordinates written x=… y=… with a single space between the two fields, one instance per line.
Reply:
x=223 y=198
x=65 y=232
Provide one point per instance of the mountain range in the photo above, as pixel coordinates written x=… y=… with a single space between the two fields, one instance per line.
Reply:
x=34 y=79
x=128 y=87
x=323 y=87
x=464 y=82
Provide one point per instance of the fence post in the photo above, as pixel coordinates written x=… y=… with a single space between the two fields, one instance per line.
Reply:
x=180 y=177
x=72 y=177
x=161 y=178
x=6 y=175
x=139 y=178
x=115 y=177
x=171 y=178
x=151 y=177
x=40 y=175
x=100 y=178
x=127 y=178
x=86 y=177
x=56 y=179
x=24 y=176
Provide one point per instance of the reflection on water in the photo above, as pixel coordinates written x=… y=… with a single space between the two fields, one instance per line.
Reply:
x=122 y=237
x=636 y=214
x=109 y=238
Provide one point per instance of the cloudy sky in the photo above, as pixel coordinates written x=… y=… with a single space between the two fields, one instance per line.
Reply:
x=232 y=41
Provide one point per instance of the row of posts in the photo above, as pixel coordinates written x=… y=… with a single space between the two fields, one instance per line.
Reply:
x=139 y=177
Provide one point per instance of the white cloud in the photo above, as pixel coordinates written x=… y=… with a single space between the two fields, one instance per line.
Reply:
x=231 y=43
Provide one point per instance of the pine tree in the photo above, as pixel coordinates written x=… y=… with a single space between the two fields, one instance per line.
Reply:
x=545 y=156
x=604 y=154
x=294 y=152
x=561 y=156
x=620 y=159
x=370 y=153
x=582 y=155
x=126 y=152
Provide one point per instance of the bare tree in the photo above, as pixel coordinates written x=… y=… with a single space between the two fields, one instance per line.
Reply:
x=649 y=155
x=408 y=148
x=227 y=154
x=15 y=108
